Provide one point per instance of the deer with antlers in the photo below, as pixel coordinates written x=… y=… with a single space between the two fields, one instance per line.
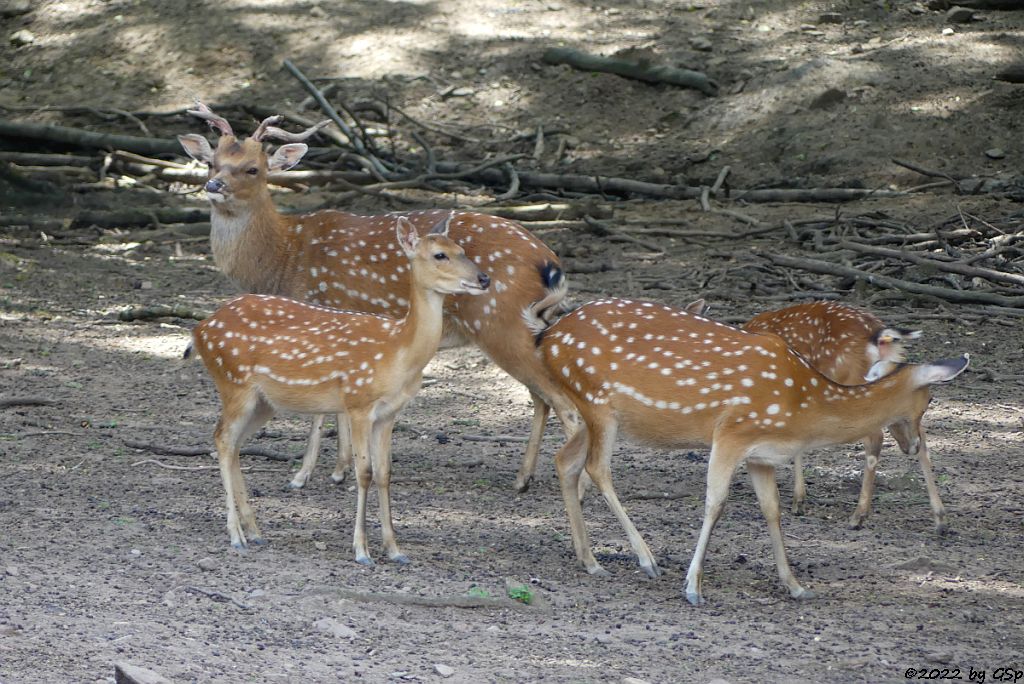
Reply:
x=846 y=343
x=673 y=379
x=268 y=354
x=348 y=261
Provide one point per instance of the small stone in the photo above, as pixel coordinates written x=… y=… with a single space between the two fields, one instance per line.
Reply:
x=830 y=18
x=320 y=546
x=960 y=15
x=135 y=552
x=633 y=680
x=701 y=43
x=995 y=153
x=317 y=11
x=948 y=31
x=22 y=38
x=12 y=570
x=939 y=657
x=334 y=628
x=146 y=285
x=125 y=673
x=444 y=670
x=462 y=91
x=719 y=680
x=207 y=564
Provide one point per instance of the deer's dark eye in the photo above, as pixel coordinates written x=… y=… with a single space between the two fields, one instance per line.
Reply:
x=252 y=171
x=441 y=256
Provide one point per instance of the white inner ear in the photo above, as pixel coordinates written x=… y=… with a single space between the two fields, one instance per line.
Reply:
x=879 y=370
x=287 y=156
x=197 y=147
x=408 y=238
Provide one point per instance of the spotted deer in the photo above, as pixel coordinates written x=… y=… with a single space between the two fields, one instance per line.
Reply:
x=348 y=261
x=676 y=380
x=844 y=343
x=268 y=354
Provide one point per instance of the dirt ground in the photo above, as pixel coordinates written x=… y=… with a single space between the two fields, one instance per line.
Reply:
x=110 y=553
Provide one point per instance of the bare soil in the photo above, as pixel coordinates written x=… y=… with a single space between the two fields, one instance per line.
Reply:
x=107 y=554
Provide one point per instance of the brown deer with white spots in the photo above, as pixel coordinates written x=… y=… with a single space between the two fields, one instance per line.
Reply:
x=268 y=354
x=348 y=261
x=844 y=343
x=676 y=380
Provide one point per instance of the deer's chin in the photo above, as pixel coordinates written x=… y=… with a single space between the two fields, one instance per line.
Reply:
x=216 y=197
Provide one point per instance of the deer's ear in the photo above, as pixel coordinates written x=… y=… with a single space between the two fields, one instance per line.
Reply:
x=197 y=147
x=408 y=238
x=287 y=156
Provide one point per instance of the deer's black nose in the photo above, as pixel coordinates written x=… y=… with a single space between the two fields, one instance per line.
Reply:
x=484 y=280
x=214 y=185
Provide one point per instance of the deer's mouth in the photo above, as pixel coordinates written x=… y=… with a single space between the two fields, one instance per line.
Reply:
x=472 y=288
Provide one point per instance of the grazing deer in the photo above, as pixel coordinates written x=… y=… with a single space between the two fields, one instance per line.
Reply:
x=347 y=261
x=673 y=379
x=844 y=343
x=268 y=354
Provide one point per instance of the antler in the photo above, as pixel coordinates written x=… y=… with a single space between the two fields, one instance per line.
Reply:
x=267 y=130
x=217 y=123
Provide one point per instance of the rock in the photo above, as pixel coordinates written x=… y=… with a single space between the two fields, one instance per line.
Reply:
x=959 y=15
x=14 y=8
x=125 y=673
x=22 y=38
x=334 y=628
x=828 y=99
x=320 y=546
x=995 y=153
x=207 y=564
x=633 y=680
x=948 y=31
x=12 y=570
x=444 y=670
x=830 y=18
x=317 y=11
x=701 y=43
x=939 y=657
x=719 y=680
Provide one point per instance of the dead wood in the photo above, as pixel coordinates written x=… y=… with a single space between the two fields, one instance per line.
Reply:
x=26 y=401
x=216 y=596
x=602 y=229
x=42 y=159
x=146 y=313
x=937 y=264
x=886 y=282
x=640 y=71
x=110 y=219
x=1014 y=73
x=427 y=601
x=201 y=451
x=82 y=138
x=549 y=211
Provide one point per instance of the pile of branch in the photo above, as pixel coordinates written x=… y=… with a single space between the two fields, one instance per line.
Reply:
x=963 y=260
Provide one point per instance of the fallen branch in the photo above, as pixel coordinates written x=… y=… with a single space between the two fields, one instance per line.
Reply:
x=216 y=596
x=25 y=401
x=429 y=601
x=82 y=138
x=640 y=71
x=110 y=219
x=885 y=282
x=944 y=266
x=145 y=313
x=493 y=438
x=201 y=451
x=603 y=230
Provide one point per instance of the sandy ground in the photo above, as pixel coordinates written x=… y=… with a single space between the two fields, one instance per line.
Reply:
x=107 y=555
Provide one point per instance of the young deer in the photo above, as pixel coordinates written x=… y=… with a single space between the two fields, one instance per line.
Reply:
x=353 y=262
x=844 y=342
x=675 y=380
x=268 y=354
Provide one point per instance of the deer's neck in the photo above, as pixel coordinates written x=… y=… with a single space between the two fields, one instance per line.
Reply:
x=249 y=245
x=839 y=414
x=422 y=328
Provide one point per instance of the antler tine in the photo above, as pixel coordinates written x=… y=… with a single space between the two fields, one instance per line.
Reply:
x=265 y=126
x=269 y=131
x=217 y=123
